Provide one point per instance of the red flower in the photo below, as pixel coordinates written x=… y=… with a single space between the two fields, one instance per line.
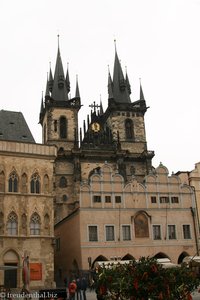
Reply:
x=135 y=284
x=145 y=275
x=160 y=296
x=102 y=290
x=189 y=297
x=154 y=268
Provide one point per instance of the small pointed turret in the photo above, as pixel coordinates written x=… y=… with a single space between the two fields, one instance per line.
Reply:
x=120 y=90
x=41 y=110
x=42 y=105
x=77 y=93
x=67 y=79
x=110 y=86
x=141 y=92
x=128 y=83
x=101 y=108
x=47 y=93
x=59 y=91
x=50 y=79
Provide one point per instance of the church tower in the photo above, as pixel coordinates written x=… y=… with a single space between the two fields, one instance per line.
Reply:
x=118 y=134
x=59 y=113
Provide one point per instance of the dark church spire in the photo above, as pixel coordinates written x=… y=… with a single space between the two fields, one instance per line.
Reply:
x=110 y=86
x=47 y=92
x=128 y=83
x=67 y=79
x=50 y=79
x=120 y=90
x=141 y=92
x=101 y=108
x=59 y=91
x=77 y=93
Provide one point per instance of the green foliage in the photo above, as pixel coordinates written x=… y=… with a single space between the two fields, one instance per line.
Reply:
x=145 y=279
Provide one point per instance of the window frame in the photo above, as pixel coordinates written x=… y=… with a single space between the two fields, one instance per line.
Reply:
x=12 y=224
x=185 y=233
x=124 y=235
x=35 y=184
x=153 y=199
x=107 y=234
x=13 y=182
x=118 y=199
x=108 y=197
x=154 y=226
x=95 y=197
x=35 y=227
x=89 y=233
x=169 y=231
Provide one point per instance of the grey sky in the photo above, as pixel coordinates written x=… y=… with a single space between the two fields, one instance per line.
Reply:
x=158 y=41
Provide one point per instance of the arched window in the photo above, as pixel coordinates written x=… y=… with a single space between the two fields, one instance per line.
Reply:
x=35 y=224
x=24 y=183
x=35 y=183
x=12 y=224
x=63 y=127
x=13 y=182
x=2 y=182
x=63 y=182
x=129 y=129
x=141 y=225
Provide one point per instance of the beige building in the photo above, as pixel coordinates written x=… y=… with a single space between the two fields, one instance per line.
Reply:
x=97 y=185
x=118 y=219
x=26 y=204
x=110 y=201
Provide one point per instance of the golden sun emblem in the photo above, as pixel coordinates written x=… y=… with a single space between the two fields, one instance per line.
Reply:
x=95 y=127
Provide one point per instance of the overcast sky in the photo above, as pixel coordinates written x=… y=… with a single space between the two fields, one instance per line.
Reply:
x=158 y=41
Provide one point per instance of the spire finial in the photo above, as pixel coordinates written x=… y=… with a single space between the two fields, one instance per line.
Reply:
x=58 y=36
x=141 y=91
x=115 y=45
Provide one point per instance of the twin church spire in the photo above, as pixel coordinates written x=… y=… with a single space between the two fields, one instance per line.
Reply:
x=58 y=86
x=119 y=89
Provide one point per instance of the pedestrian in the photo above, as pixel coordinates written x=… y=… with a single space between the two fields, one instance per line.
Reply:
x=84 y=287
x=78 y=290
x=72 y=289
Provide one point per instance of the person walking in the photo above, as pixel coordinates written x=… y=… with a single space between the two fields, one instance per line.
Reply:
x=84 y=287
x=78 y=289
x=72 y=289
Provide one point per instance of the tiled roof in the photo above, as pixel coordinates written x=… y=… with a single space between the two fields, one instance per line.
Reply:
x=13 y=127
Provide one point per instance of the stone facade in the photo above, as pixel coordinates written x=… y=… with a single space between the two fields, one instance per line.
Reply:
x=118 y=219
x=96 y=184
x=26 y=212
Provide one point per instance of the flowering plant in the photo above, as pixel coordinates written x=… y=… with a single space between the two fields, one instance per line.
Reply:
x=145 y=279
